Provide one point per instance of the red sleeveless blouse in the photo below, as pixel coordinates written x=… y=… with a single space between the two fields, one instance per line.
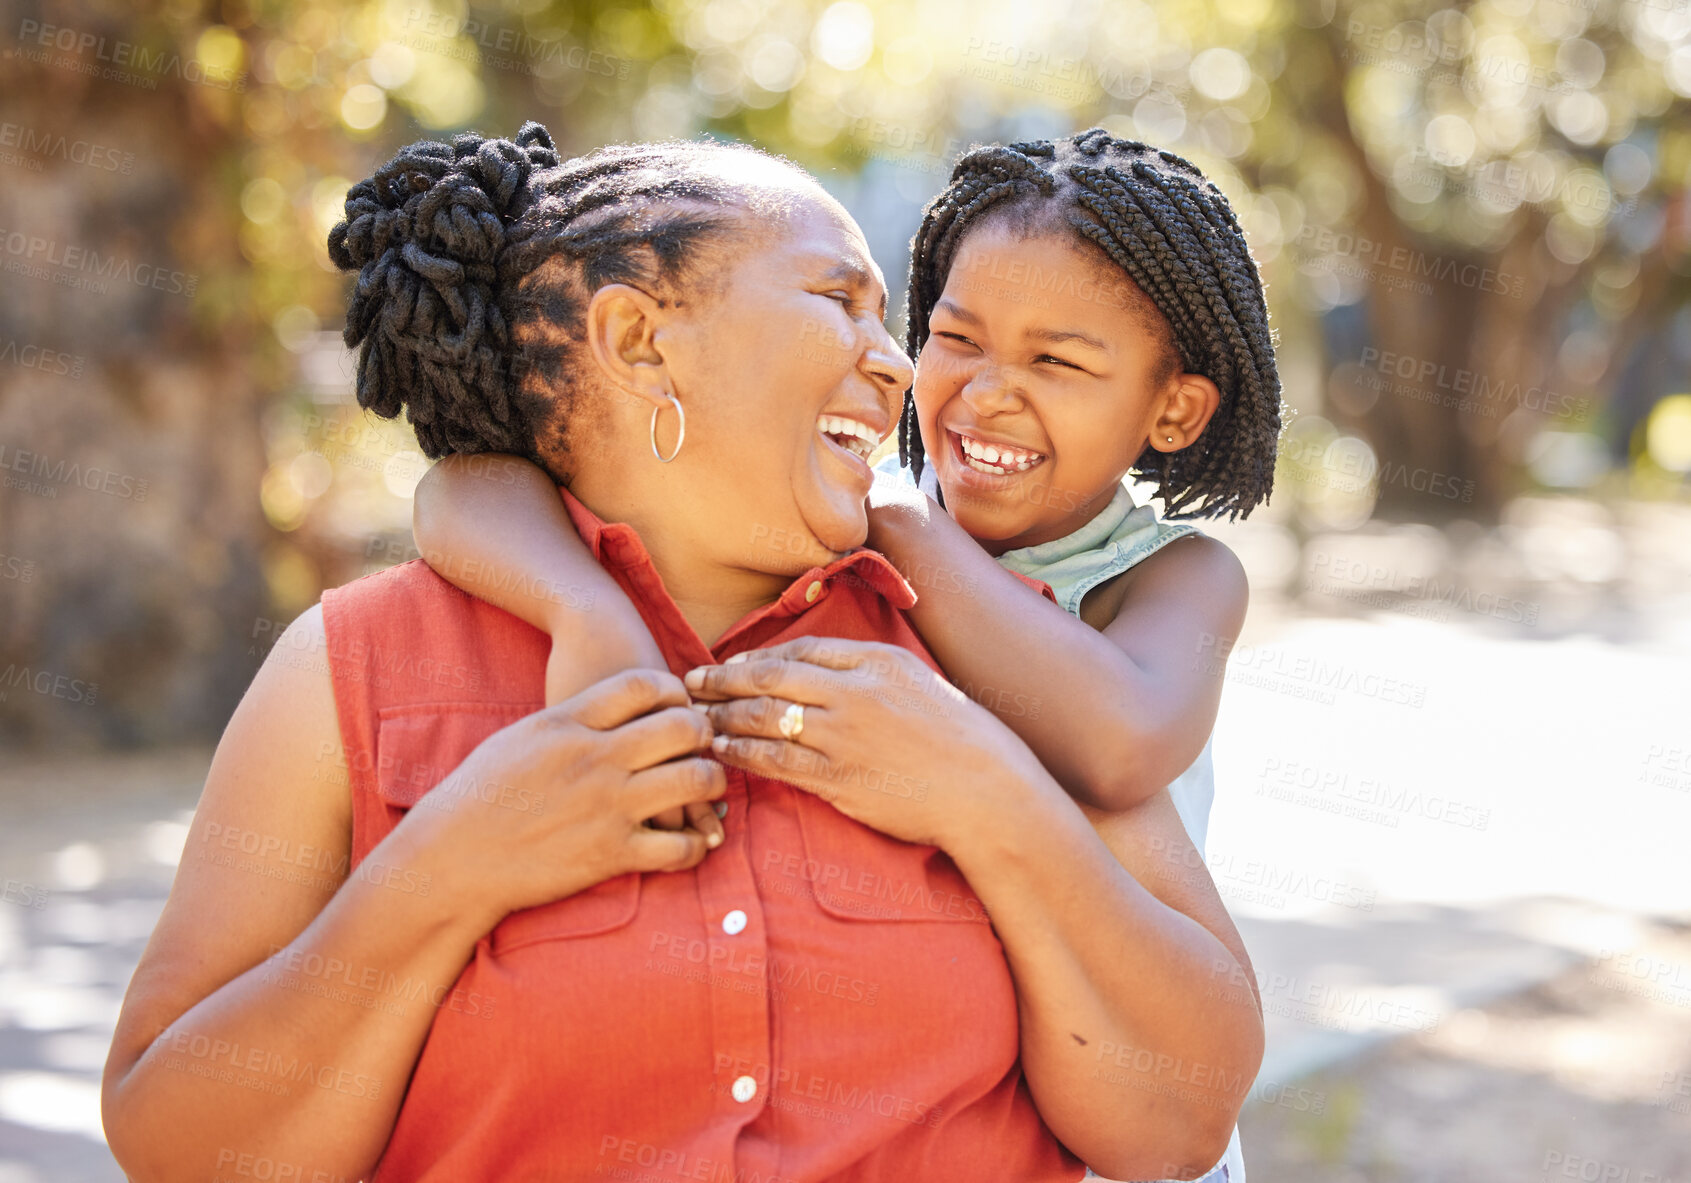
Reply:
x=816 y=1001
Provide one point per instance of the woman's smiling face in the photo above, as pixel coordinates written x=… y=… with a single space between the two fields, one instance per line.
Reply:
x=829 y=376
x=789 y=379
x=1042 y=377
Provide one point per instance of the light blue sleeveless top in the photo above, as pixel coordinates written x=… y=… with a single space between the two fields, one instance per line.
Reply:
x=1121 y=536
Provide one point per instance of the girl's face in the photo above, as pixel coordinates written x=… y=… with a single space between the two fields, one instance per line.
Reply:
x=1043 y=378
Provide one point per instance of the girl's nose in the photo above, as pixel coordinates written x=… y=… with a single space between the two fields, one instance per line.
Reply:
x=989 y=391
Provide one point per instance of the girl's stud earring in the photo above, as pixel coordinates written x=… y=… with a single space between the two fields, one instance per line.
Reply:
x=1169 y=438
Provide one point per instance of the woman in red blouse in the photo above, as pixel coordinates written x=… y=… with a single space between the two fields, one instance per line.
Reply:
x=421 y=930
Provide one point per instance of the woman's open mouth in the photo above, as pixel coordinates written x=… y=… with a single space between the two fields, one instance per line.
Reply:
x=849 y=435
x=992 y=459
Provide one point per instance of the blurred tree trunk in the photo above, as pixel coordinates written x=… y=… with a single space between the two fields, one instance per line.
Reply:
x=1492 y=343
x=129 y=417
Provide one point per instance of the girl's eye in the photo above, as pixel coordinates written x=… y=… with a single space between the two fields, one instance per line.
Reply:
x=1056 y=361
x=843 y=297
x=958 y=337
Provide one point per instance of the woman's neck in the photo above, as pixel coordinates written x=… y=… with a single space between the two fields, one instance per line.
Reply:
x=711 y=594
x=712 y=597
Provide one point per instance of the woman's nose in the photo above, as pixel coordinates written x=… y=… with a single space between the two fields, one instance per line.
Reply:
x=887 y=365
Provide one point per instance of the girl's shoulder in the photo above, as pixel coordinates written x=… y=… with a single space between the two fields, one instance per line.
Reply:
x=1144 y=555
x=1199 y=555
x=1120 y=538
x=1197 y=569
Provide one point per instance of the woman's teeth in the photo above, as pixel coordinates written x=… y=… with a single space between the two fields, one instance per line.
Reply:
x=997 y=459
x=857 y=438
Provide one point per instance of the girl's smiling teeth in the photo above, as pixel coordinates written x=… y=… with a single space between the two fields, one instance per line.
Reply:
x=995 y=459
x=853 y=435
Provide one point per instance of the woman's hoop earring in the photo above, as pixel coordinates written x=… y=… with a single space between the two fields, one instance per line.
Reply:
x=680 y=414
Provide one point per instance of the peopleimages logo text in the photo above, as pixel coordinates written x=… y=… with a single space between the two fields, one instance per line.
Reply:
x=34 y=249
x=61 y=472
x=118 y=52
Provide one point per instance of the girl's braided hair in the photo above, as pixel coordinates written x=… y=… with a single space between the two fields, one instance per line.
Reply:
x=1163 y=223
x=457 y=316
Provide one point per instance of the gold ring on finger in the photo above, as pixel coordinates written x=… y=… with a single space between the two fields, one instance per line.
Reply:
x=791 y=725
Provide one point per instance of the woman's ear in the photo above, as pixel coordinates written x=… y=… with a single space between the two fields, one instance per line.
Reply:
x=623 y=327
x=1188 y=406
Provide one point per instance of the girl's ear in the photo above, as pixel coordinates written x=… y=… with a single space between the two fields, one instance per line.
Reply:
x=1188 y=406
x=623 y=327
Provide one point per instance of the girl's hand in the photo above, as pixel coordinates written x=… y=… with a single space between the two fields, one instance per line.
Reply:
x=884 y=739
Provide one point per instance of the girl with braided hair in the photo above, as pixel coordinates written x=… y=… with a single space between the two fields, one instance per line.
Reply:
x=1082 y=309
x=430 y=929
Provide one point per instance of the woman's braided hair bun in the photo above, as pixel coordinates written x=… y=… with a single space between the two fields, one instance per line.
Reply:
x=425 y=234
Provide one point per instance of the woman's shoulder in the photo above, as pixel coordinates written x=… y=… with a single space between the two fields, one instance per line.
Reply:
x=405 y=634
x=399 y=605
x=406 y=582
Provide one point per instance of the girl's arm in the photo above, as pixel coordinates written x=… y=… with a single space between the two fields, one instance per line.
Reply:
x=494 y=526
x=1114 y=715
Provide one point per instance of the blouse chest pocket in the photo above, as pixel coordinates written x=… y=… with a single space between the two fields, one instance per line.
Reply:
x=857 y=873
x=418 y=746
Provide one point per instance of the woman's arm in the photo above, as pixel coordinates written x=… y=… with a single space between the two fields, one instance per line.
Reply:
x=1115 y=716
x=200 y=1060
x=224 y=1048
x=495 y=527
x=1141 y=1029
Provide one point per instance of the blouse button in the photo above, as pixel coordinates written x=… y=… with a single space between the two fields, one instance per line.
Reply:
x=814 y=590
x=734 y=923
x=745 y=1088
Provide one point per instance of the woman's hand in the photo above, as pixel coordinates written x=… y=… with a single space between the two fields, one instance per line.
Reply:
x=884 y=739
x=612 y=649
x=587 y=773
